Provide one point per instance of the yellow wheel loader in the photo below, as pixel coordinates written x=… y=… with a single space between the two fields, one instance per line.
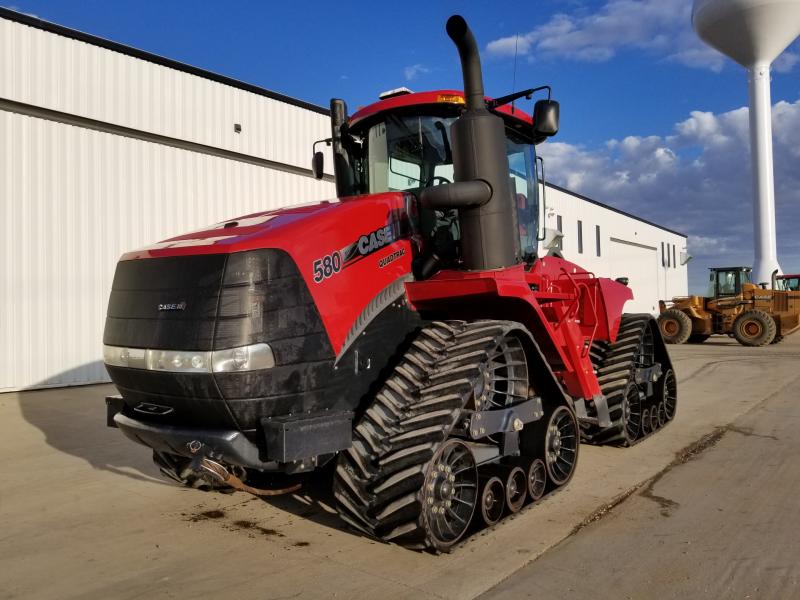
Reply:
x=734 y=306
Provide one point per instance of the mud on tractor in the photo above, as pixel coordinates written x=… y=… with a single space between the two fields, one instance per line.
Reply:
x=753 y=315
x=407 y=335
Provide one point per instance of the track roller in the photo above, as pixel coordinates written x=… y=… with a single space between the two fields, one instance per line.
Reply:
x=537 y=479
x=492 y=500
x=654 y=418
x=646 y=422
x=516 y=489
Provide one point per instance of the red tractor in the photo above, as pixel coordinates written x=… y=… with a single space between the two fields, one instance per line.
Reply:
x=408 y=335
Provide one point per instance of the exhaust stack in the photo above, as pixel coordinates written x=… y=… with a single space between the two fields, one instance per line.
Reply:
x=488 y=229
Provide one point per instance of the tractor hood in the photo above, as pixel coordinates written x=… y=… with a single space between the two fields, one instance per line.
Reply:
x=236 y=234
x=346 y=253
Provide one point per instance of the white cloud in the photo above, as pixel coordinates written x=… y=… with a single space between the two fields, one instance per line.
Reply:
x=696 y=181
x=662 y=27
x=786 y=62
x=413 y=71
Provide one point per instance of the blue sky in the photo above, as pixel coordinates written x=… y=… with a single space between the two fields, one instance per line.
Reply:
x=652 y=121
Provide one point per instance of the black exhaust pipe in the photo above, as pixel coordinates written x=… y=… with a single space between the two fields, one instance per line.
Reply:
x=460 y=33
x=489 y=238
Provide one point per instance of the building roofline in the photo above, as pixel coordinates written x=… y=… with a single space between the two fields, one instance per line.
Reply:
x=611 y=208
x=94 y=40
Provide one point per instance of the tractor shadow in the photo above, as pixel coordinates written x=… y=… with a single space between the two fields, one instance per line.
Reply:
x=314 y=501
x=73 y=421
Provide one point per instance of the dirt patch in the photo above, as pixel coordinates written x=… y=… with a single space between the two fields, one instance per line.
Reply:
x=301 y=544
x=693 y=450
x=207 y=515
x=602 y=511
x=253 y=526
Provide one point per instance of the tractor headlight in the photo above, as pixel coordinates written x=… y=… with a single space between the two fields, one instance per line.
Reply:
x=232 y=360
x=244 y=358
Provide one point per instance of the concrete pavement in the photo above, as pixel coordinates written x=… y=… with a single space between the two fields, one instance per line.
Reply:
x=85 y=515
x=723 y=523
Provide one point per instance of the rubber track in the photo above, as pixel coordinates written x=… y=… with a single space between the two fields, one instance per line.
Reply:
x=615 y=367
x=378 y=481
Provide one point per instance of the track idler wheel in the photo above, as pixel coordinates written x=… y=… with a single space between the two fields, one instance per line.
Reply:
x=561 y=445
x=450 y=493
x=667 y=394
x=492 y=500
x=537 y=479
x=516 y=489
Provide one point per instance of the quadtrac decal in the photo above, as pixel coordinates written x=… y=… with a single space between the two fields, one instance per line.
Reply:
x=387 y=260
x=368 y=243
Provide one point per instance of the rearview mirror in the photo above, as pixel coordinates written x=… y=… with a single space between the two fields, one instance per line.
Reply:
x=545 y=118
x=318 y=165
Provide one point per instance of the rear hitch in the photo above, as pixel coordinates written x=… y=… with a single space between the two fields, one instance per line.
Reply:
x=223 y=476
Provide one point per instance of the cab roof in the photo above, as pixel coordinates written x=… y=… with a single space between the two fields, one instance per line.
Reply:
x=437 y=98
x=730 y=268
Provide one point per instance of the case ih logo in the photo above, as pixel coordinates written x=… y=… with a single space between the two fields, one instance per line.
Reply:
x=331 y=264
x=172 y=306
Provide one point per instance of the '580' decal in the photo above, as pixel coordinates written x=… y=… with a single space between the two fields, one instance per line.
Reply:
x=331 y=264
x=327 y=266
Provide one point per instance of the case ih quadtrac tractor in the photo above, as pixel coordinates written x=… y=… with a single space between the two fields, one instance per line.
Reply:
x=408 y=335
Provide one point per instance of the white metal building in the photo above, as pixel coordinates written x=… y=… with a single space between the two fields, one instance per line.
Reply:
x=611 y=243
x=105 y=148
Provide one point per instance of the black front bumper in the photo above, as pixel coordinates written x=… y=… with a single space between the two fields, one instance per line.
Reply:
x=290 y=444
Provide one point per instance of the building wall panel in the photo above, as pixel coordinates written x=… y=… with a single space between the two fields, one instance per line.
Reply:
x=72 y=200
x=55 y=72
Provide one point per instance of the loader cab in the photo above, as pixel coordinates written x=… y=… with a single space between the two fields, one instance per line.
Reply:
x=728 y=281
x=403 y=144
x=789 y=283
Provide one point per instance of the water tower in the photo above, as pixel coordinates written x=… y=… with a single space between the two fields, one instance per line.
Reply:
x=754 y=33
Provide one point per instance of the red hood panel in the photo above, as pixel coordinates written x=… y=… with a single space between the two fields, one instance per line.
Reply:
x=347 y=252
x=234 y=235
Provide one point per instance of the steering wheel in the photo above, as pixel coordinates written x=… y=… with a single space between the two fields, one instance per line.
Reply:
x=433 y=179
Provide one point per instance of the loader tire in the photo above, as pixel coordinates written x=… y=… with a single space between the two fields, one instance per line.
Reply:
x=754 y=328
x=675 y=326
x=778 y=339
x=392 y=483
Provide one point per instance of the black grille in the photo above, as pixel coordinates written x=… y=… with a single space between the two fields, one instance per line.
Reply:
x=186 y=286
x=223 y=301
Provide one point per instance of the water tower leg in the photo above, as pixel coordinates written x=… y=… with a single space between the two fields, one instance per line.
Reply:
x=766 y=251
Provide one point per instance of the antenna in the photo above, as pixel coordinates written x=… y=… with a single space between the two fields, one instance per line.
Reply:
x=514 y=79
x=754 y=33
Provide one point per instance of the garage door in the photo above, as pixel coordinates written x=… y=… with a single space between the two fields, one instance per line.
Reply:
x=639 y=263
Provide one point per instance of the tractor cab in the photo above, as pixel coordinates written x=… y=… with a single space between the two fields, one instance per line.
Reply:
x=788 y=283
x=403 y=143
x=727 y=281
